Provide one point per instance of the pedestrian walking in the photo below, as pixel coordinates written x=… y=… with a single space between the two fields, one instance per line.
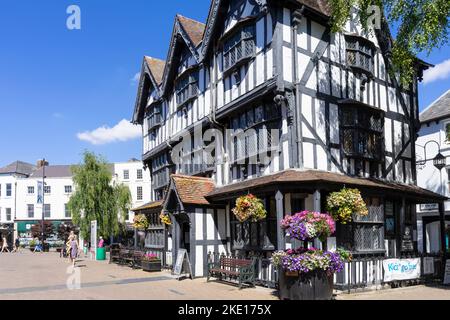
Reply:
x=73 y=250
x=5 y=245
x=16 y=245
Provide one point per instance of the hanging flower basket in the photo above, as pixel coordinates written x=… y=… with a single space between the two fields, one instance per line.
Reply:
x=307 y=225
x=307 y=274
x=140 y=222
x=165 y=218
x=250 y=208
x=343 y=204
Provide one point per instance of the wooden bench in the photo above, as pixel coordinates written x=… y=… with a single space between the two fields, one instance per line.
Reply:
x=126 y=257
x=242 y=270
x=114 y=254
x=137 y=259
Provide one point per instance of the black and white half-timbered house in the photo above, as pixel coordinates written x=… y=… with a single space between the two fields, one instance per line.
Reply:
x=296 y=112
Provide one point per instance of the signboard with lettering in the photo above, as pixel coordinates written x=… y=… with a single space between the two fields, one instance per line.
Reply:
x=401 y=269
x=429 y=207
x=407 y=241
x=447 y=273
x=183 y=265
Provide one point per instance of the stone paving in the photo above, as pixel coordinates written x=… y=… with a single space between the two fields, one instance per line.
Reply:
x=42 y=276
x=409 y=293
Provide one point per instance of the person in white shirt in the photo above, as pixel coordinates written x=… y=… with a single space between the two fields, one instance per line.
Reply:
x=5 y=245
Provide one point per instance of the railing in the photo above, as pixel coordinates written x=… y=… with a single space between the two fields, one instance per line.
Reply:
x=363 y=272
x=266 y=273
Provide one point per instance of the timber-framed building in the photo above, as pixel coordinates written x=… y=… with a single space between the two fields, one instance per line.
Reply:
x=321 y=106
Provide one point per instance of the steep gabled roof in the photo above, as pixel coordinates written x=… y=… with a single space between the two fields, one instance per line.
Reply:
x=191 y=32
x=439 y=109
x=193 y=28
x=152 y=71
x=156 y=68
x=18 y=167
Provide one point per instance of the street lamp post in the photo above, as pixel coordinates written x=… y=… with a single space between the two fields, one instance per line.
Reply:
x=43 y=201
x=439 y=162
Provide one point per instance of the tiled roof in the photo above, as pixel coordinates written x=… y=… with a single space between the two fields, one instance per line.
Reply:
x=321 y=6
x=156 y=67
x=438 y=109
x=194 y=29
x=18 y=167
x=150 y=205
x=290 y=177
x=192 y=190
x=61 y=171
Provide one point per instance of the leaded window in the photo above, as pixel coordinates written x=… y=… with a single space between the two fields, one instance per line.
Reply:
x=366 y=233
x=256 y=236
x=187 y=88
x=160 y=171
x=254 y=133
x=362 y=132
x=239 y=47
x=154 y=117
x=360 y=52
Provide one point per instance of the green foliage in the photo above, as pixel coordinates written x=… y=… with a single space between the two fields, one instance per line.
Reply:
x=423 y=25
x=95 y=198
x=36 y=229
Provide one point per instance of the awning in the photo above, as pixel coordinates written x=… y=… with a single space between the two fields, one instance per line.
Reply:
x=292 y=179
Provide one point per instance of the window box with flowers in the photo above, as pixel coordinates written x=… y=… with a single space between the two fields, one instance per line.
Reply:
x=151 y=263
x=307 y=274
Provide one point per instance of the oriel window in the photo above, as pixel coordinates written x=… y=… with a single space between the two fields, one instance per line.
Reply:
x=239 y=47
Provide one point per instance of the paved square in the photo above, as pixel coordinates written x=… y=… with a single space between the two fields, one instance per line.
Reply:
x=44 y=276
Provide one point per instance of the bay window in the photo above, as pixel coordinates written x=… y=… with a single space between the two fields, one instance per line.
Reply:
x=360 y=53
x=187 y=88
x=239 y=47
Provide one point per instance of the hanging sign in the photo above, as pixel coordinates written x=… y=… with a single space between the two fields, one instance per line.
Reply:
x=447 y=273
x=401 y=269
x=183 y=265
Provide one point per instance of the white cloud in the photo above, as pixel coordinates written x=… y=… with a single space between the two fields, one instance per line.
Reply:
x=136 y=78
x=440 y=72
x=123 y=131
x=57 y=115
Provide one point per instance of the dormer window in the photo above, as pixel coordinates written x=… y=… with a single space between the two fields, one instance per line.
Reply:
x=239 y=47
x=362 y=132
x=187 y=88
x=360 y=53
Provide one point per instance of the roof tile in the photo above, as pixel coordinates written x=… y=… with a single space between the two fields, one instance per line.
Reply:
x=192 y=190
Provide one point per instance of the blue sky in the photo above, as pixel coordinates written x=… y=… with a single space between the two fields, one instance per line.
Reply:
x=56 y=83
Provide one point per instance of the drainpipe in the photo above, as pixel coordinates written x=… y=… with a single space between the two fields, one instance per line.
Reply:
x=298 y=15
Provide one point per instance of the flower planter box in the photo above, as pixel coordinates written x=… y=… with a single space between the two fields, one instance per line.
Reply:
x=151 y=266
x=315 y=287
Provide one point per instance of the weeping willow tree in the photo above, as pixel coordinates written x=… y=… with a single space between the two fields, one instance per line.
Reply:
x=422 y=26
x=97 y=198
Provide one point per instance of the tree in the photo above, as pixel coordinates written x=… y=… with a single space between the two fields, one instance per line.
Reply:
x=423 y=25
x=36 y=229
x=96 y=198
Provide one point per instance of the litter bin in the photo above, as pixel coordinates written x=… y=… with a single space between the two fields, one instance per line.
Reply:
x=101 y=254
